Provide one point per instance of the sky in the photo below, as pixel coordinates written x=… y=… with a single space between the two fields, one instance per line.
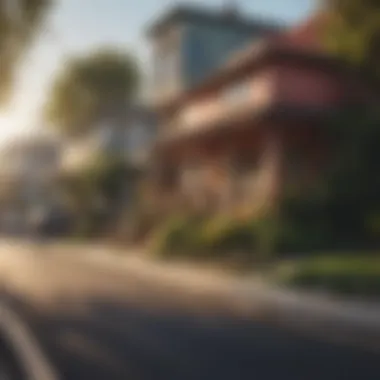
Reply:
x=77 y=26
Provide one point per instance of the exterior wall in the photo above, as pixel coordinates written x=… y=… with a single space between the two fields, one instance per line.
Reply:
x=249 y=94
x=240 y=172
x=277 y=84
x=247 y=170
x=167 y=63
x=306 y=86
x=206 y=47
x=189 y=52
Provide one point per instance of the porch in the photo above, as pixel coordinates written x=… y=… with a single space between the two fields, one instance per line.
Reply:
x=241 y=166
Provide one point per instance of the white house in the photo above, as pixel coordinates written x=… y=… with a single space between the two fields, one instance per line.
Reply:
x=130 y=139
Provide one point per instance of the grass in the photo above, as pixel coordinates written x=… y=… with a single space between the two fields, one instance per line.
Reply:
x=350 y=274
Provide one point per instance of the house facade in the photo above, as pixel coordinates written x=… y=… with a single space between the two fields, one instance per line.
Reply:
x=190 y=43
x=253 y=130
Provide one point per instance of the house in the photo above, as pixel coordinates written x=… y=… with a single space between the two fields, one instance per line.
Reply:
x=28 y=176
x=190 y=43
x=128 y=139
x=253 y=129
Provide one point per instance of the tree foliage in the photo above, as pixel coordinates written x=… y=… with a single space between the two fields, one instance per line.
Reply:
x=96 y=195
x=352 y=199
x=353 y=32
x=20 y=23
x=92 y=88
x=343 y=208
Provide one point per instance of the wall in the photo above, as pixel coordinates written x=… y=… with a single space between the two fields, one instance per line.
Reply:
x=241 y=170
x=167 y=61
x=249 y=93
x=186 y=54
x=206 y=47
x=306 y=86
x=287 y=84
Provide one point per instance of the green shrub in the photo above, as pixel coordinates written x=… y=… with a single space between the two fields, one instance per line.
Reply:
x=343 y=274
x=303 y=225
x=224 y=235
x=179 y=236
x=197 y=237
x=220 y=237
x=298 y=238
x=269 y=232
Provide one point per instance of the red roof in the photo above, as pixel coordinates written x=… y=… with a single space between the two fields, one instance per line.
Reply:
x=306 y=36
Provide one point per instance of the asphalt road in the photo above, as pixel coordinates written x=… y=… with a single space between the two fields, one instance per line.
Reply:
x=94 y=323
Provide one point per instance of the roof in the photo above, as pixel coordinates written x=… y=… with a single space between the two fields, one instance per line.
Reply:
x=224 y=18
x=244 y=119
x=256 y=56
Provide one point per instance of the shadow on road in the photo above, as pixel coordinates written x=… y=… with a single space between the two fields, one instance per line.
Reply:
x=11 y=366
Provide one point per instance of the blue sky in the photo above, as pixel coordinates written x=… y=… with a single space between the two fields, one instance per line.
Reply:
x=79 y=25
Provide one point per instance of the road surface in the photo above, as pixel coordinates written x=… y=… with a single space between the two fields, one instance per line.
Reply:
x=96 y=323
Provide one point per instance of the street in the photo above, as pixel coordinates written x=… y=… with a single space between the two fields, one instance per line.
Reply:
x=97 y=323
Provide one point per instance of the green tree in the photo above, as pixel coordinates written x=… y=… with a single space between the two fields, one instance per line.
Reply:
x=20 y=23
x=353 y=32
x=91 y=88
x=96 y=196
x=353 y=181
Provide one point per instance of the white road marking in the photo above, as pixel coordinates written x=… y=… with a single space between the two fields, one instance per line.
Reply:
x=26 y=346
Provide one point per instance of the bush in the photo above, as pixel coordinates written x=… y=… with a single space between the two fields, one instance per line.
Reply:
x=269 y=232
x=223 y=236
x=179 y=236
x=303 y=225
x=343 y=274
x=215 y=237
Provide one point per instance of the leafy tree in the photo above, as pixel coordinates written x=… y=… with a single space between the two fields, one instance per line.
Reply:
x=354 y=184
x=20 y=23
x=92 y=88
x=96 y=195
x=352 y=202
x=353 y=32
